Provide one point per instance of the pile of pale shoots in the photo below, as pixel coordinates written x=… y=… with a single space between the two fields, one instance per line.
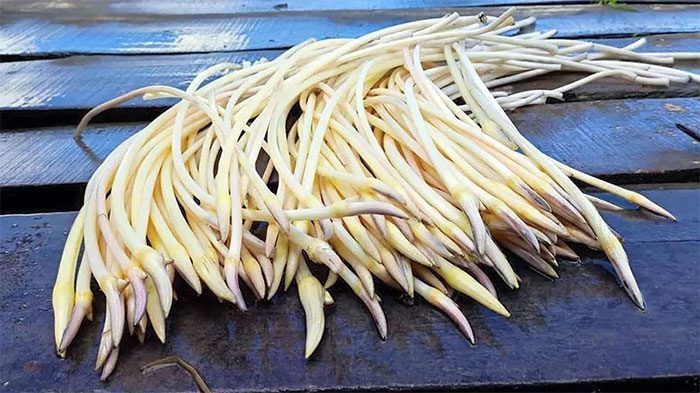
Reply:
x=387 y=158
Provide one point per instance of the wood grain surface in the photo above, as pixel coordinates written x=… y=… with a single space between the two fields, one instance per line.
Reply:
x=57 y=34
x=60 y=58
x=624 y=140
x=186 y=7
x=83 y=82
x=580 y=329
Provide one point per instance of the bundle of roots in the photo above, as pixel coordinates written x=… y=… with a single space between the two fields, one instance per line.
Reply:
x=387 y=158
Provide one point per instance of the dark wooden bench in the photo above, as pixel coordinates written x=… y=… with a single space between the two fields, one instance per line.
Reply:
x=578 y=333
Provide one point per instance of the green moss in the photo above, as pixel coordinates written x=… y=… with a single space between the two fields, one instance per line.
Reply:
x=615 y=4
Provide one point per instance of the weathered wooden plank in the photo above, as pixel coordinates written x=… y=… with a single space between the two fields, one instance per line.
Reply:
x=83 y=82
x=29 y=155
x=651 y=228
x=55 y=34
x=618 y=139
x=583 y=321
x=623 y=141
x=179 y=7
x=633 y=139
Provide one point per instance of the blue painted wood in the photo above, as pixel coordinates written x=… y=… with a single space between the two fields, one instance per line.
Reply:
x=576 y=333
x=579 y=329
x=56 y=34
x=626 y=141
x=184 y=7
x=72 y=82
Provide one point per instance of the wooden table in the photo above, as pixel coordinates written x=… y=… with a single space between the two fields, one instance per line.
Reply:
x=60 y=58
